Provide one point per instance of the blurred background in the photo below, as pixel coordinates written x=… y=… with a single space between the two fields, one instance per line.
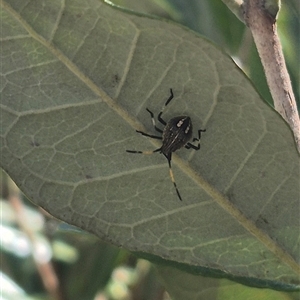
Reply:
x=44 y=258
x=214 y=20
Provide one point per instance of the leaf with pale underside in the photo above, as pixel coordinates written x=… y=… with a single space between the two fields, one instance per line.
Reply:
x=76 y=81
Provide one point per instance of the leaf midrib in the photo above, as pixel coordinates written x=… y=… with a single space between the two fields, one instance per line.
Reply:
x=134 y=123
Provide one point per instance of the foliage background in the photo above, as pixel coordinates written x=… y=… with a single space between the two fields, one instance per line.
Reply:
x=214 y=20
x=104 y=269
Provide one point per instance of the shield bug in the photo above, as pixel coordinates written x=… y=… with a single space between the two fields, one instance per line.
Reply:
x=176 y=134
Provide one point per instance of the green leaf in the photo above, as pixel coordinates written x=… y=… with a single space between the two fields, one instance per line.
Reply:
x=76 y=81
x=190 y=287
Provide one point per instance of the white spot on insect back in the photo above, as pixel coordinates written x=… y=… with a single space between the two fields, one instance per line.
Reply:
x=179 y=123
x=187 y=129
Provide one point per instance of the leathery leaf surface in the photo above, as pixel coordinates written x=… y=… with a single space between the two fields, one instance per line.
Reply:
x=76 y=79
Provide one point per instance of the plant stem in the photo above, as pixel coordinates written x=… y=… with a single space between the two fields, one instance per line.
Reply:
x=262 y=24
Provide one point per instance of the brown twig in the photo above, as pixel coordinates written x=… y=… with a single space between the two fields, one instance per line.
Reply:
x=262 y=22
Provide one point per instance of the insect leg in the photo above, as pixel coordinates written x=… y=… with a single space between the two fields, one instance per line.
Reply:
x=190 y=145
x=153 y=120
x=173 y=180
x=143 y=152
x=160 y=119
x=170 y=98
x=140 y=152
x=149 y=135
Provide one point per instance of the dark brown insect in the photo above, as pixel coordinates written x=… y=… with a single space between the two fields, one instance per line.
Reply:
x=175 y=135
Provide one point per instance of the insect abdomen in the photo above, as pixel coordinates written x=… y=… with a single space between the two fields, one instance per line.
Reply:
x=176 y=134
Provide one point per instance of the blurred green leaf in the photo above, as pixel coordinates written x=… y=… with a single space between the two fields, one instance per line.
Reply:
x=95 y=264
x=190 y=287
